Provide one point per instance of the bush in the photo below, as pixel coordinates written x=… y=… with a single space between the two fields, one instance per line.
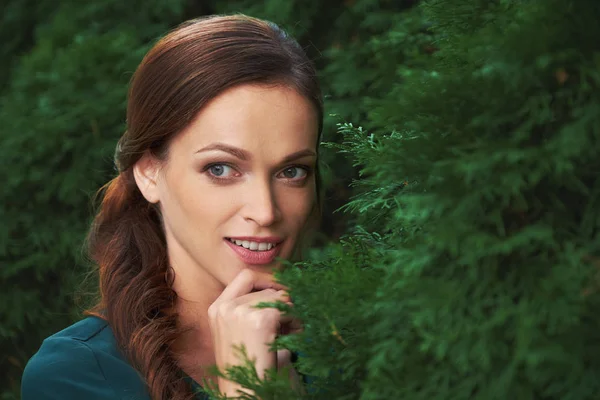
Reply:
x=473 y=271
x=62 y=103
x=62 y=110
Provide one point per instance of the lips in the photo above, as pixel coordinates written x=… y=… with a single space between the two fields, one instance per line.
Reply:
x=254 y=257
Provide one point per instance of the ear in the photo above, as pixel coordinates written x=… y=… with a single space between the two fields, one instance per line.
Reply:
x=145 y=172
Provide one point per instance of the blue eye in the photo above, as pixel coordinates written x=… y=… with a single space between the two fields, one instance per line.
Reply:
x=218 y=169
x=294 y=172
x=222 y=172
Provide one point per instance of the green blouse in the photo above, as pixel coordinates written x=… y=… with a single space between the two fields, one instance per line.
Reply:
x=83 y=362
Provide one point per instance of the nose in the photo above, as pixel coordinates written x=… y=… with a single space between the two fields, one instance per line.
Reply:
x=260 y=204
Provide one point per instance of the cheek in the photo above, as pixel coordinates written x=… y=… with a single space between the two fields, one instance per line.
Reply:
x=205 y=205
x=194 y=207
x=297 y=206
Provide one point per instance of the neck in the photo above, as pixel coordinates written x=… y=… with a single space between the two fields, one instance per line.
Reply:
x=196 y=290
x=193 y=349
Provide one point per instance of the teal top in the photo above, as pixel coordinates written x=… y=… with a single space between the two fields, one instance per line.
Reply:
x=84 y=362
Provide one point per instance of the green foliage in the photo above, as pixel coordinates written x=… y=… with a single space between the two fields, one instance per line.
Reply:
x=62 y=110
x=17 y=24
x=482 y=282
x=274 y=384
x=63 y=84
x=469 y=270
x=333 y=358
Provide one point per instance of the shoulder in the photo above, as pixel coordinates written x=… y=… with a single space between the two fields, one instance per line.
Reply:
x=81 y=361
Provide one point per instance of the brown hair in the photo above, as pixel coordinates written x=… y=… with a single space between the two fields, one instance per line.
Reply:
x=190 y=66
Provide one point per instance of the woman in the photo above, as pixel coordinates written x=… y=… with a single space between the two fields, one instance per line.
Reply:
x=217 y=176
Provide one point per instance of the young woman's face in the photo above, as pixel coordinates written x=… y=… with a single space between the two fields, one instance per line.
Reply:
x=243 y=170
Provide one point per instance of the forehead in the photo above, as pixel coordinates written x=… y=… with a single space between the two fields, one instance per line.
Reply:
x=266 y=120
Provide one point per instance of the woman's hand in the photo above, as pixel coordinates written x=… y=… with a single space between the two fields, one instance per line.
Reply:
x=235 y=321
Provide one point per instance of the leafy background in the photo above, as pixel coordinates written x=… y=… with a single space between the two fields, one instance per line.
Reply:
x=63 y=80
x=460 y=246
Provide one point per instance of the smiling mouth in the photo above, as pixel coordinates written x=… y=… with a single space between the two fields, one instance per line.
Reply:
x=251 y=253
x=253 y=246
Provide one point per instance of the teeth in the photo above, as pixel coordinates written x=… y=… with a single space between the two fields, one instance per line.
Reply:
x=253 y=245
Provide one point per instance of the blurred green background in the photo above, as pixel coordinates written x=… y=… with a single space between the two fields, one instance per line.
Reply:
x=64 y=70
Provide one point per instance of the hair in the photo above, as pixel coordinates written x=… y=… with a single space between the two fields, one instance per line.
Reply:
x=187 y=68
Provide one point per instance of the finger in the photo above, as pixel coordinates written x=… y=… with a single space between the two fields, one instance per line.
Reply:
x=284 y=359
x=291 y=326
x=246 y=282
x=267 y=295
x=290 y=323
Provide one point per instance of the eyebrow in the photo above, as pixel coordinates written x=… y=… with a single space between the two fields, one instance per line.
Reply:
x=245 y=155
